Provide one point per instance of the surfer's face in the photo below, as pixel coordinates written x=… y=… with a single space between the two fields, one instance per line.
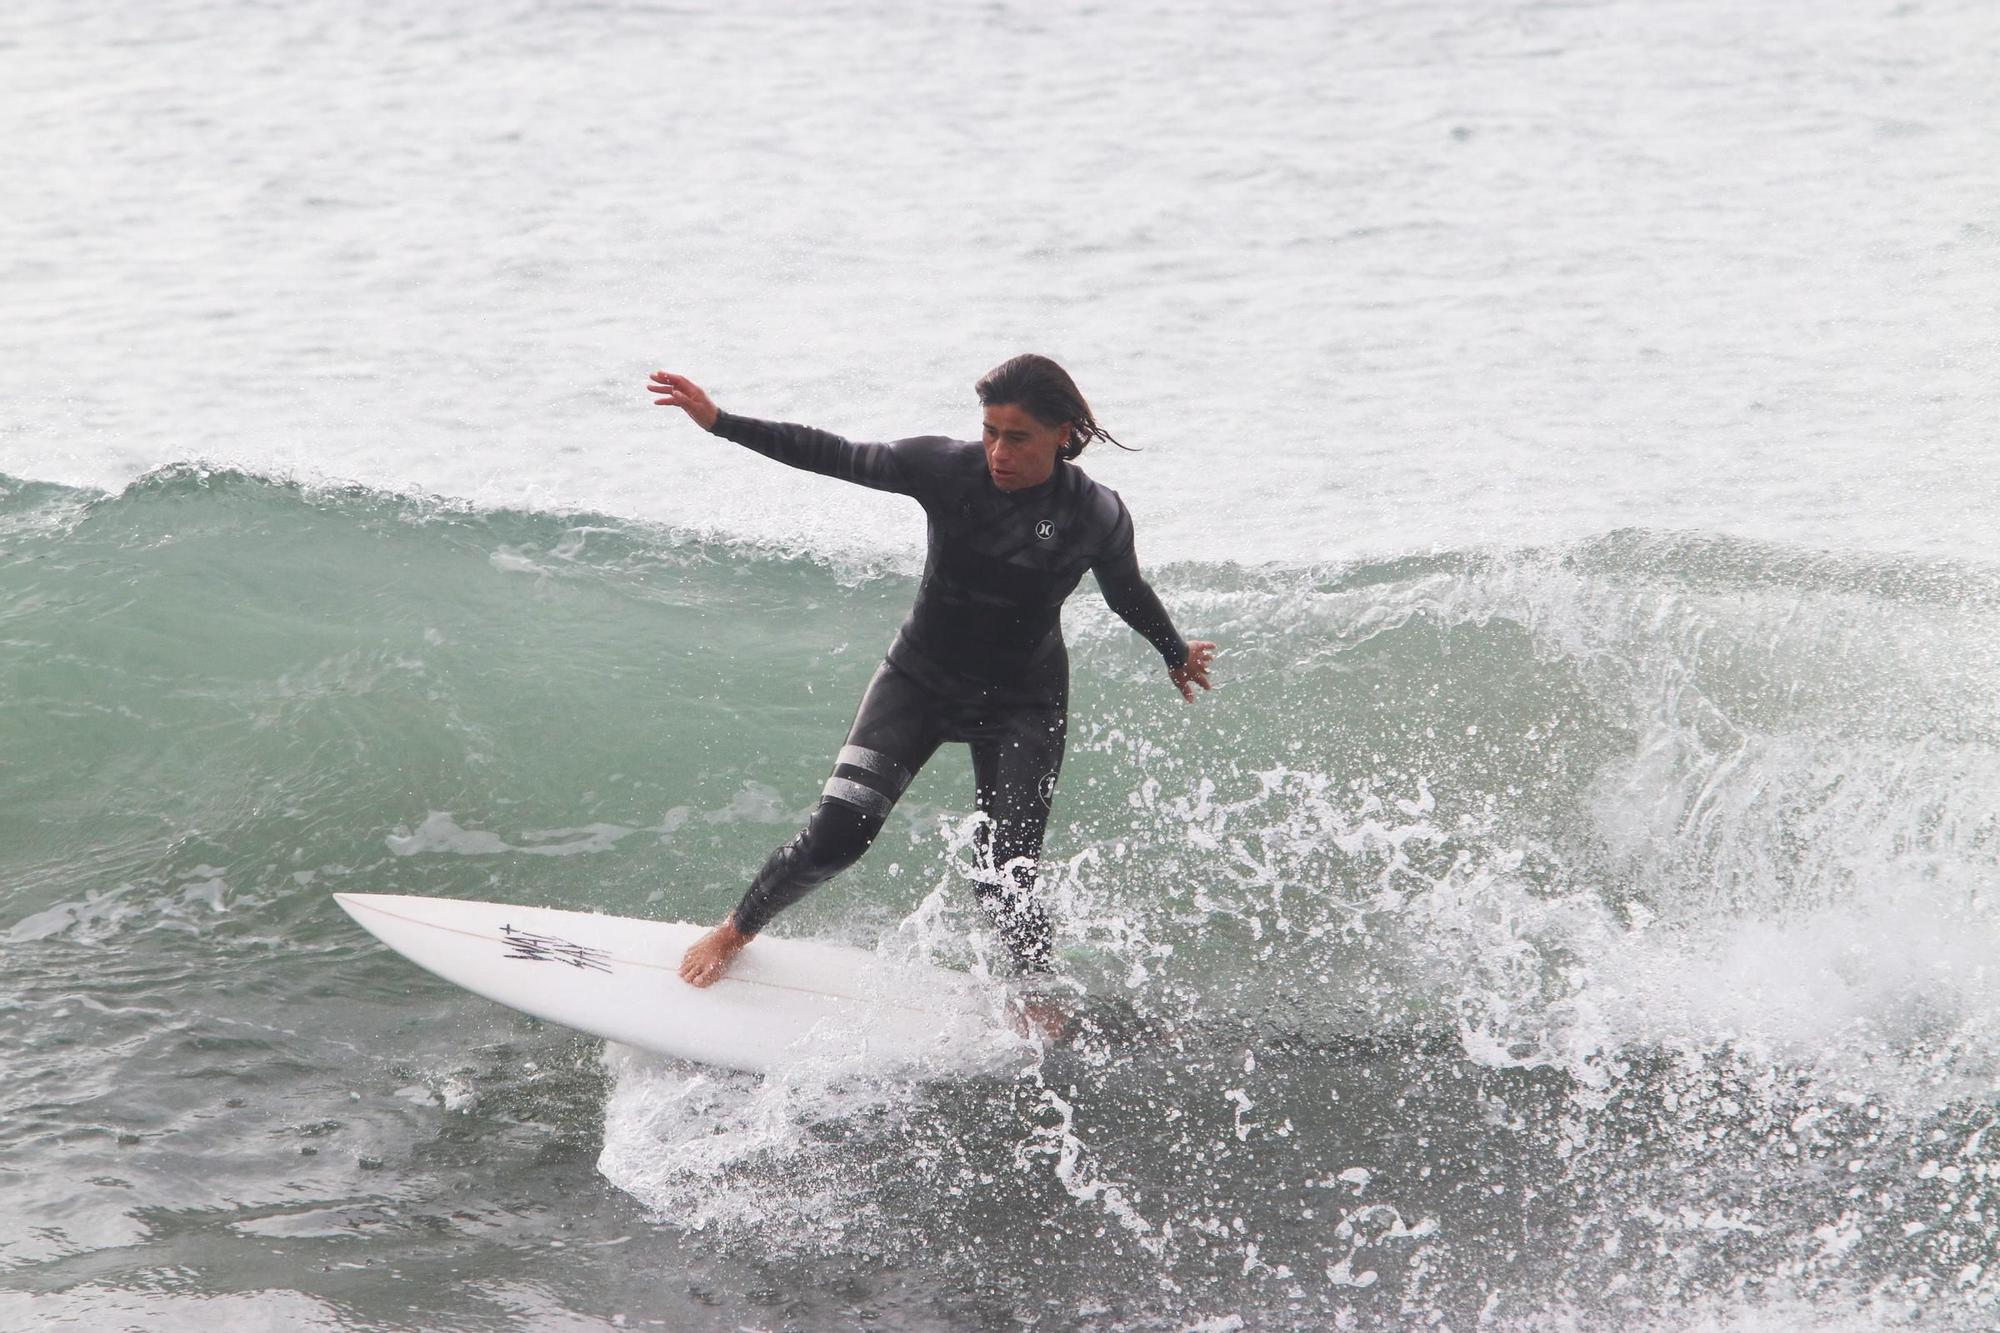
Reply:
x=1020 y=451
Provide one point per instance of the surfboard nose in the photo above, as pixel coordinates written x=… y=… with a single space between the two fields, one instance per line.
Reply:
x=354 y=904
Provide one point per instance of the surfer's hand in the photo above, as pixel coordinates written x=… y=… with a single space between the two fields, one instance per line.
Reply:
x=1194 y=671
x=708 y=957
x=672 y=390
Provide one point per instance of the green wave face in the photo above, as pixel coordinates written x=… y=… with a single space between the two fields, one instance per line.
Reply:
x=1621 y=815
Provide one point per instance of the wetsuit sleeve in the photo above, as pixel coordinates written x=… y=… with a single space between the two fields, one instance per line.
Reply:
x=874 y=465
x=1127 y=592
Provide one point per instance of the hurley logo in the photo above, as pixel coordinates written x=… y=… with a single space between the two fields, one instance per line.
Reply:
x=1045 y=529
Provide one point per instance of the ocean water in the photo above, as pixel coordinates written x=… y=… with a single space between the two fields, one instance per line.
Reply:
x=1574 y=908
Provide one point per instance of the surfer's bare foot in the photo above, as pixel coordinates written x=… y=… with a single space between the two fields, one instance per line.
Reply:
x=708 y=957
x=1039 y=1016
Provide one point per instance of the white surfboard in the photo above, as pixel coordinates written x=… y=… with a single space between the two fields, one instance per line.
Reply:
x=780 y=1002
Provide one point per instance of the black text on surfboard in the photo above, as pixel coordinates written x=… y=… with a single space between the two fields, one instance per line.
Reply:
x=548 y=949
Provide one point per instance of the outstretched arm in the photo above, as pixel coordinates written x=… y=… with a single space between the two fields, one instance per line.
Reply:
x=874 y=465
x=1127 y=592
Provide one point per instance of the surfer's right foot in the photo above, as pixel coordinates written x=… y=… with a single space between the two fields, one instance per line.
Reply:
x=708 y=957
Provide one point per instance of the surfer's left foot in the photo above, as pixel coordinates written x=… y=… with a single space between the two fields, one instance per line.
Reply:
x=708 y=957
x=1039 y=1016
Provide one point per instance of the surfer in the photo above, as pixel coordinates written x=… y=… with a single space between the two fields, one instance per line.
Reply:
x=1013 y=525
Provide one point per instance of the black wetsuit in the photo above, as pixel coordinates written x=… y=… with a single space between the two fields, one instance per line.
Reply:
x=980 y=659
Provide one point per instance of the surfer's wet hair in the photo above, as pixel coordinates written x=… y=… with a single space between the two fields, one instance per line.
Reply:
x=1044 y=390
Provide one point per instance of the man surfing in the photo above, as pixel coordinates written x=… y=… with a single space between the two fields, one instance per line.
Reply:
x=1013 y=524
